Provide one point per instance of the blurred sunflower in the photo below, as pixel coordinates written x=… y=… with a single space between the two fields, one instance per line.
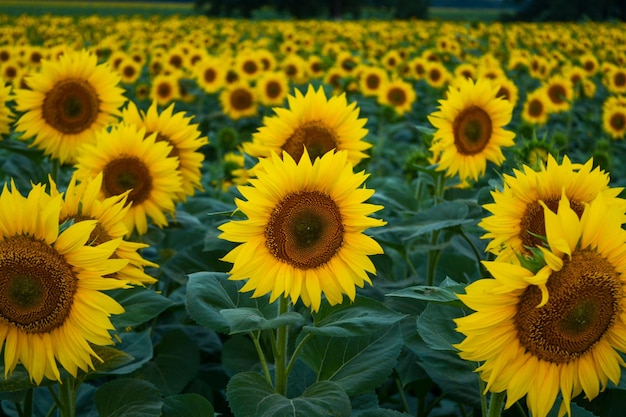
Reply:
x=614 y=121
x=560 y=92
x=6 y=115
x=81 y=202
x=517 y=219
x=68 y=101
x=535 y=110
x=272 y=88
x=129 y=70
x=615 y=79
x=52 y=308
x=131 y=161
x=557 y=328
x=372 y=79
x=165 y=88
x=239 y=100
x=398 y=94
x=436 y=74
x=507 y=90
x=303 y=236
x=178 y=132
x=210 y=74
x=314 y=123
x=470 y=129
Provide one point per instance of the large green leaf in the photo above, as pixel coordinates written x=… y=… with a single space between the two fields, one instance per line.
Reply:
x=175 y=364
x=216 y=303
x=437 y=328
x=187 y=405
x=445 y=293
x=359 y=363
x=362 y=317
x=128 y=397
x=141 y=304
x=250 y=395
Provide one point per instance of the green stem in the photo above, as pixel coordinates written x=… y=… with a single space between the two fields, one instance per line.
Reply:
x=481 y=267
x=483 y=397
x=296 y=352
x=281 y=351
x=67 y=396
x=28 y=403
x=433 y=258
x=259 y=352
x=495 y=405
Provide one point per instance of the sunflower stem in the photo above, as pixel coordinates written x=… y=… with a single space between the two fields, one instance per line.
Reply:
x=483 y=397
x=296 y=352
x=259 y=351
x=67 y=398
x=281 y=351
x=495 y=404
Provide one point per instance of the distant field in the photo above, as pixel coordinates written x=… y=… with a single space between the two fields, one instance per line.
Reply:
x=470 y=14
x=107 y=8
x=102 y=8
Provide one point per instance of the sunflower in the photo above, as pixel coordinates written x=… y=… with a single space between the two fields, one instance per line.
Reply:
x=52 y=308
x=239 y=100
x=131 y=161
x=69 y=100
x=436 y=74
x=178 y=132
x=6 y=115
x=615 y=79
x=303 y=236
x=372 y=79
x=81 y=202
x=517 y=214
x=398 y=94
x=210 y=74
x=129 y=70
x=272 y=88
x=507 y=90
x=614 y=121
x=535 y=110
x=165 y=88
x=314 y=123
x=560 y=92
x=557 y=328
x=470 y=129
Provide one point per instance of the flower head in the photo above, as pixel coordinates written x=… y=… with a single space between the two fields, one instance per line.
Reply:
x=68 y=101
x=304 y=233
x=52 y=308
x=470 y=129
x=559 y=329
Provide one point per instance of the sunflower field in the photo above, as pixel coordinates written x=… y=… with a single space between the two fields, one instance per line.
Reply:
x=370 y=218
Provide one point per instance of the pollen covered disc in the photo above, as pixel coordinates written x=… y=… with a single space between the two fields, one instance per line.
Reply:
x=71 y=106
x=37 y=285
x=305 y=229
x=315 y=136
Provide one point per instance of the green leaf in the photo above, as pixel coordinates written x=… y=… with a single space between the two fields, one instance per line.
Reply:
x=436 y=326
x=187 y=405
x=445 y=293
x=215 y=302
x=455 y=376
x=137 y=345
x=362 y=317
x=175 y=364
x=246 y=319
x=128 y=397
x=358 y=363
x=250 y=395
x=441 y=216
x=141 y=304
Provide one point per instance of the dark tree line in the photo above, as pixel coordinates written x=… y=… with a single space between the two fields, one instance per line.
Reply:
x=305 y=9
x=569 y=10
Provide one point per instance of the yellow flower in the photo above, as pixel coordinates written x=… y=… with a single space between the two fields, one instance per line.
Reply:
x=6 y=115
x=131 y=161
x=517 y=220
x=314 y=123
x=470 y=129
x=535 y=110
x=272 y=88
x=614 y=121
x=177 y=131
x=397 y=94
x=303 y=236
x=68 y=101
x=239 y=100
x=81 y=202
x=52 y=308
x=558 y=330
